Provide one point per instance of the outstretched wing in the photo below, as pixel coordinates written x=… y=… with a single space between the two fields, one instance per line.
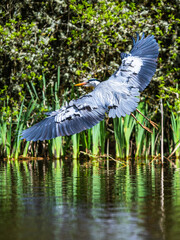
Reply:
x=133 y=76
x=85 y=112
x=138 y=67
x=117 y=96
x=78 y=115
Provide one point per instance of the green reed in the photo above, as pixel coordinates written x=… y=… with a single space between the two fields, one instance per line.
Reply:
x=128 y=129
x=10 y=129
x=146 y=143
x=119 y=137
x=123 y=129
x=98 y=138
x=85 y=140
x=175 y=121
x=3 y=131
x=128 y=137
x=140 y=132
x=55 y=145
x=75 y=145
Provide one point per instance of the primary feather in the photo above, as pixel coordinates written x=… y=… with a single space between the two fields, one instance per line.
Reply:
x=116 y=96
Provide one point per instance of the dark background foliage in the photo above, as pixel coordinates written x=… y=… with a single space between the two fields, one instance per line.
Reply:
x=84 y=38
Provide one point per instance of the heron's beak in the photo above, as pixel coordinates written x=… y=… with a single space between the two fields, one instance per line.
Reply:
x=80 y=84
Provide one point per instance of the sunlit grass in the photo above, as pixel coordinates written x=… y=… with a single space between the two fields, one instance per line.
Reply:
x=75 y=145
x=140 y=132
x=175 y=120
x=98 y=138
x=127 y=138
x=119 y=137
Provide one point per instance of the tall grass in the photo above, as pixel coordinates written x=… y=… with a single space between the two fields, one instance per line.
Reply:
x=175 y=121
x=57 y=143
x=11 y=130
x=123 y=128
x=98 y=138
x=119 y=137
x=140 y=132
x=128 y=129
x=128 y=139
x=75 y=145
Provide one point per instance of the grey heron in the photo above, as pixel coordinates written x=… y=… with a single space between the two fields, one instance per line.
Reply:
x=117 y=96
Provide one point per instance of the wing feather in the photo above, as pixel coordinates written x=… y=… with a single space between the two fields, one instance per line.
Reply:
x=139 y=66
x=117 y=96
x=77 y=116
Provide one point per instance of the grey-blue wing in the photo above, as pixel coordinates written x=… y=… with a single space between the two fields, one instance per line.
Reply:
x=73 y=118
x=117 y=96
x=139 y=66
x=125 y=103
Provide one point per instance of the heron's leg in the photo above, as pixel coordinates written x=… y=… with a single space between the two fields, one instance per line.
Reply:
x=151 y=122
x=146 y=128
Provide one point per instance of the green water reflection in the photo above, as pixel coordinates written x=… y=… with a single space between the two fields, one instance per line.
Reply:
x=88 y=200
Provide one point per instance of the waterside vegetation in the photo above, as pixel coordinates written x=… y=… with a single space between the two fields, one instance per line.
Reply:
x=120 y=137
x=46 y=47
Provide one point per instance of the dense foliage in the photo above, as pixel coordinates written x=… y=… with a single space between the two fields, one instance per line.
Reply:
x=85 y=39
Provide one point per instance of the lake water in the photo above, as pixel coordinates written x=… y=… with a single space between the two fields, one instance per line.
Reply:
x=93 y=200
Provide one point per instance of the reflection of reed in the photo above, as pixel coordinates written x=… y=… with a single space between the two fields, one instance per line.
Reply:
x=162 y=218
x=130 y=193
x=175 y=121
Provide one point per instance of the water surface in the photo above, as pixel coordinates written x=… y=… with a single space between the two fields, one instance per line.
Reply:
x=88 y=200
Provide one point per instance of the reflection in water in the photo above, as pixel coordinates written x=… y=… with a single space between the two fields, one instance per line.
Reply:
x=70 y=200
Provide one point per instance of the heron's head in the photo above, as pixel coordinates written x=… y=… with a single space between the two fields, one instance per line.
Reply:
x=93 y=82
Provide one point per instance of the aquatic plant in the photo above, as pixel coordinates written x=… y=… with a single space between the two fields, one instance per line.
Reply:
x=175 y=121
x=128 y=137
x=119 y=137
x=140 y=132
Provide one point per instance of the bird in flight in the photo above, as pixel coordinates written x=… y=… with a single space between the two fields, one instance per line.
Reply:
x=117 y=96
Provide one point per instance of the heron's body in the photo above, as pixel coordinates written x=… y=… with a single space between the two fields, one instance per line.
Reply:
x=116 y=96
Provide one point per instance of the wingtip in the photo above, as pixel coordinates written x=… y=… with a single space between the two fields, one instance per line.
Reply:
x=137 y=38
x=134 y=41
